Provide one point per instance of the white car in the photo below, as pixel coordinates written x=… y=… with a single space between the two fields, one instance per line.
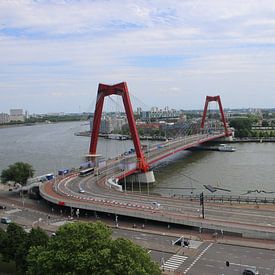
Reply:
x=156 y=204
x=5 y=220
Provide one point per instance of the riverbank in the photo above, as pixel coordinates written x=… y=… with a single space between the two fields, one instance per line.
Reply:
x=119 y=137
x=246 y=140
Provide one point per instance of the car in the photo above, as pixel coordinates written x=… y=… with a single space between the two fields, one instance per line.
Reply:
x=156 y=204
x=81 y=190
x=3 y=207
x=5 y=220
x=250 y=271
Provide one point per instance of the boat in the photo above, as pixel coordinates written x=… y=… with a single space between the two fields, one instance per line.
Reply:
x=117 y=137
x=226 y=148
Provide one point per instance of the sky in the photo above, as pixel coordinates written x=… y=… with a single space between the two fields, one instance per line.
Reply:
x=54 y=53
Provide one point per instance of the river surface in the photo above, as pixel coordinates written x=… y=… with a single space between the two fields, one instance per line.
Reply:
x=50 y=147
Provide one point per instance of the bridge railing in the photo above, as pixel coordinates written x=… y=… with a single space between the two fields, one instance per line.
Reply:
x=231 y=199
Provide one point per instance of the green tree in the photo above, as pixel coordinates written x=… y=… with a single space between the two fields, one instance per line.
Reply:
x=265 y=123
x=15 y=238
x=129 y=258
x=242 y=126
x=18 y=172
x=86 y=248
x=36 y=237
x=3 y=239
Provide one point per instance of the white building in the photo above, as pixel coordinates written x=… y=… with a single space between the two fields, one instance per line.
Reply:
x=4 y=118
x=109 y=124
x=17 y=115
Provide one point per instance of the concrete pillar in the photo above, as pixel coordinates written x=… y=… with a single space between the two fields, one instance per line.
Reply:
x=143 y=178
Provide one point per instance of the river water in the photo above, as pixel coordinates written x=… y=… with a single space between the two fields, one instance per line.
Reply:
x=49 y=147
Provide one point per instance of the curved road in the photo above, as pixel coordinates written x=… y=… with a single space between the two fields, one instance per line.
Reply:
x=98 y=197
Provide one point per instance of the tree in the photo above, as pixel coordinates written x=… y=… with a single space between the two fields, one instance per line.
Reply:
x=242 y=126
x=265 y=123
x=3 y=239
x=18 y=172
x=129 y=258
x=15 y=238
x=86 y=248
x=36 y=237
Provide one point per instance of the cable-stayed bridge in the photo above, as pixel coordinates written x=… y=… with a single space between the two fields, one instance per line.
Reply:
x=101 y=192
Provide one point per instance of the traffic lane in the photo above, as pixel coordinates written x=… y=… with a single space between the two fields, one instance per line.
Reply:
x=259 y=220
x=213 y=260
x=136 y=235
x=175 y=205
x=188 y=210
x=178 y=205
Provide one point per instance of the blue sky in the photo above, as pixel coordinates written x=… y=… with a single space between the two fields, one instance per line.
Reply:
x=171 y=53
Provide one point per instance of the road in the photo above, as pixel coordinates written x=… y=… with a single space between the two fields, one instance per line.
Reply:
x=202 y=257
x=97 y=196
x=211 y=257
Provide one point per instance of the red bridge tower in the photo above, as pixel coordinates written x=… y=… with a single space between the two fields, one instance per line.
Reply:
x=120 y=89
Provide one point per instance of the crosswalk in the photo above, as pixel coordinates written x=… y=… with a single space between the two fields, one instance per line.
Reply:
x=174 y=262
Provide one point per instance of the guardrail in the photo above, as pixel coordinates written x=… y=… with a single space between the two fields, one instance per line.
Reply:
x=227 y=198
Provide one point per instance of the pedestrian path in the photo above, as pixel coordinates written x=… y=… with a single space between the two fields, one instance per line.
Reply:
x=174 y=262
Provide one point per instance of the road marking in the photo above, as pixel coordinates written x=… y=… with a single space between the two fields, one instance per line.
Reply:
x=12 y=211
x=200 y=255
x=244 y=265
x=174 y=262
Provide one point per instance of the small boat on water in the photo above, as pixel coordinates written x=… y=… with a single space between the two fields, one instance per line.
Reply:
x=226 y=148
x=117 y=137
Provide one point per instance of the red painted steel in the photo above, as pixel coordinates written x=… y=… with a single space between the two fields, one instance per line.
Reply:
x=184 y=147
x=217 y=99
x=120 y=89
x=170 y=153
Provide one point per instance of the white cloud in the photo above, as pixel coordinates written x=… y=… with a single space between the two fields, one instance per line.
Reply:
x=59 y=48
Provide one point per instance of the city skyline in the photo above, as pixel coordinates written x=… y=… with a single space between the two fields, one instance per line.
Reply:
x=54 y=53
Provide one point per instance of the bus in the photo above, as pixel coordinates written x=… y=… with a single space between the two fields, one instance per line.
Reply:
x=86 y=172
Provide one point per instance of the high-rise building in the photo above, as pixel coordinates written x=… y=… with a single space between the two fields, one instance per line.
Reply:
x=4 y=118
x=17 y=115
x=109 y=124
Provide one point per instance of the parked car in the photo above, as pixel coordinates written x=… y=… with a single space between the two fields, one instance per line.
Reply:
x=5 y=220
x=3 y=207
x=250 y=271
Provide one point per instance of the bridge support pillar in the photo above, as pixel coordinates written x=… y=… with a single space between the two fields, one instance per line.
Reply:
x=226 y=139
x=143 y=178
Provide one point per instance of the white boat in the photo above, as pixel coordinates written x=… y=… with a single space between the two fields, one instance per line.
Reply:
x=226 y=148
x=117 y=137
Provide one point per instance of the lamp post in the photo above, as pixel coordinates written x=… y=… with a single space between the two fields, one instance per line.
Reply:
x=202 y=204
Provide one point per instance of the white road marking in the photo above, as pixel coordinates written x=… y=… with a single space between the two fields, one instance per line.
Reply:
x=174 y=262
x=200 y=255
x=245 y=265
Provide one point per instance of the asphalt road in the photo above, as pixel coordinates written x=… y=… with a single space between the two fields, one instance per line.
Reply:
x=207 y=258
x=168 y=206
x=211 y=257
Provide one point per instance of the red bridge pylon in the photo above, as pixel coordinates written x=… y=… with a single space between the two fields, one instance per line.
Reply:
x=217 y=99
x=120 y=89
